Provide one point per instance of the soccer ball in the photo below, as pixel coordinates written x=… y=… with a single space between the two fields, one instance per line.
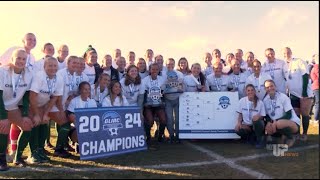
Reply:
x=113 y=131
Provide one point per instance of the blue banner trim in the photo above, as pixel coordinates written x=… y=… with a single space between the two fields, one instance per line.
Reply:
x=211 y=131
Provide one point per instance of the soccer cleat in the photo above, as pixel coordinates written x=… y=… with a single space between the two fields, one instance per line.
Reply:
x=61 y=152
x=44 y=158
x=3 y=163
x=49 y=146
x=10 y=157
x=20 y=163
x=34 y=158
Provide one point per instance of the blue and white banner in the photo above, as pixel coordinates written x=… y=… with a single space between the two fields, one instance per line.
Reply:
x=109 y=131
x=208 y=115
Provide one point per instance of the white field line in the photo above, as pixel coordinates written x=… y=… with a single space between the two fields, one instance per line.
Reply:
x=230 y=162
x=219 y=159
x=270 y=154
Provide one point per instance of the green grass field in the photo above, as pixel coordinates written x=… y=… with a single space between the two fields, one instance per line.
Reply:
x=190 y=159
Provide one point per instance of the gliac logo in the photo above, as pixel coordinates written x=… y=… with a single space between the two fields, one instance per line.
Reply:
x=224 y=102
x=112 y=123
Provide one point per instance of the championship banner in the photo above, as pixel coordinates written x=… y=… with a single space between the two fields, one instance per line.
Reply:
x=208 y=115
x=109 y=131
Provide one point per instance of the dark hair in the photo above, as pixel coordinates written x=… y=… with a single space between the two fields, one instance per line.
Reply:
x=257 y=61
x=90 y=48
x=268 y=80
x=128 y=80
x=99 y=79
x=112 y=98
x=81 y=85
x=269 y=49
x=45 y=45
x=255 y=98
x=188 y=70
x=201 y=75
x=153 y=64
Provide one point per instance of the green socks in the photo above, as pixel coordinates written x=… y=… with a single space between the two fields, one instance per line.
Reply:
x=258 y=129
x=286 y=131
x=63 y=135
x=22 y=143
x=305 y=124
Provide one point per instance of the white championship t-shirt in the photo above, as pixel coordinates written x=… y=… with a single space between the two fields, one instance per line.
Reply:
x=14 y=86
x=107 y=102
x=46 y=87
x=279 y=106
x=247 y=109
x=131 y=92
x=258 y=83
x=77 y=102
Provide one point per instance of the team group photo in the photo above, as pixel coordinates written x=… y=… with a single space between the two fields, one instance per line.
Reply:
x=81 y=110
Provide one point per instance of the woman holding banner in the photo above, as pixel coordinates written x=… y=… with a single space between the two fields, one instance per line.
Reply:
x=115 y=97
x=251 y=112
x=81 y=101
x=100 y=89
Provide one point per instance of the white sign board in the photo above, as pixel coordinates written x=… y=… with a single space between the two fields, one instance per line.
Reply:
x=208 y=115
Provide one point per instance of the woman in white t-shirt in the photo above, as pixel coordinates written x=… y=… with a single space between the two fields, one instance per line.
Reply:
x=44 y=92
x=153 y=86
x=79 y=75
x=276 y=68
x=92 y=66
x=183 y=66
x=257 y=78
x=57 y=113
x=142 y=66
x=281 y=118
x=217 y=81
x=15 y=83
x=81 y=101
x=132 y=87
x=251 y=112
x=196 y=81
x=115 y=97
x=100 y=89
x=174 y=88
x=299 y=89
x=237 y=78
